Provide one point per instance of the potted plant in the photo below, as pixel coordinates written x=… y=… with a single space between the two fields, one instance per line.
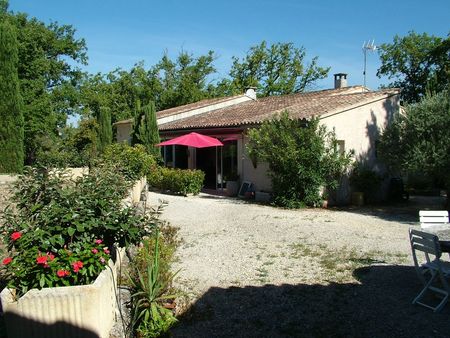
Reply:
x=365 y=183
x=60 y=239
x=232 y=184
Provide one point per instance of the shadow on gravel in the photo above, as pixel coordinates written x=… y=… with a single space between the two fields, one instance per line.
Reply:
x=404 y=212
x=378 y=307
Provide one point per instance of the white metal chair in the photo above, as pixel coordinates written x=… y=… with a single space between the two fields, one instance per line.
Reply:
x=433 y=218
x=431 y=271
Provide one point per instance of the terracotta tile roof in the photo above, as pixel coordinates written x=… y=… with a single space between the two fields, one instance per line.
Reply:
x=300 y=105
x=192 y=106
x=185 y=108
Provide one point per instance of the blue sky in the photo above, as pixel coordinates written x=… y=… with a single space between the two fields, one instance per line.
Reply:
x=121 y=33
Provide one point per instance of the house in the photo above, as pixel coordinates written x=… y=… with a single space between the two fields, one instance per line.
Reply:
x=355 y=113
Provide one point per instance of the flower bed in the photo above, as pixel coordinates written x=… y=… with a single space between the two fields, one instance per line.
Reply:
x=82 y=308
x=59 y=237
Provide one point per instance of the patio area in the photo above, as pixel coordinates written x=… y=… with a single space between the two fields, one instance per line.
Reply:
x=254 y=270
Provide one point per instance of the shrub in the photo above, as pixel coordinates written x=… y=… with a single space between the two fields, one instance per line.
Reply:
x=365 y=180
x=151 y=282
x=62 y=230
x=133 y=162
x=178 y=181
x=302 y=156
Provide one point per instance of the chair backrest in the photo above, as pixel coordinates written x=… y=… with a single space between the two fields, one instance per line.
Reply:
x=431 y=218
x=424 y=242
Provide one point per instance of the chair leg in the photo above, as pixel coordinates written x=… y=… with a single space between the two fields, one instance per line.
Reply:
x=427 y=287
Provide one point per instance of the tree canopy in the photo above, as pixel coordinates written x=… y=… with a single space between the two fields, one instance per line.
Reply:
x=419 y=140
x=11 y=117
x=416 y=63
x=277 y=69
x=48 y=77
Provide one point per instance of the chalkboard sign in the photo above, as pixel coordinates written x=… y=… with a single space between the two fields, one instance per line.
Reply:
x=245 y=187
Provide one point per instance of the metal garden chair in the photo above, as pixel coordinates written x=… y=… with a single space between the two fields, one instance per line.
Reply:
x=433 y=218
x=432 y=271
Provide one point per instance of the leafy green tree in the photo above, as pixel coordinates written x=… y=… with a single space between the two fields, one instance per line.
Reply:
x=104 y=129
x=48 y=76
x=278 y=69
x=419 y=140
x=184 y=80
x=11 y=116
x=3 y=6
x=148 y=130
x=169 y=83
x=415 y=62
x=302 y=156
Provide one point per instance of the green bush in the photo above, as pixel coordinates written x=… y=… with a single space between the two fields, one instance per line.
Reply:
x=178 y=181
x=62 y=229
x=303 y=157
x=365 y=180
x=133 y=162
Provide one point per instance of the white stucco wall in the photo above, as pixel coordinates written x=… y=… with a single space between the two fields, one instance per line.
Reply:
x=361 y=127
x=258 y=176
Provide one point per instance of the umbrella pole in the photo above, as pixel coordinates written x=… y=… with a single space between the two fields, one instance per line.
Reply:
x=216 y=169
x=221 y=169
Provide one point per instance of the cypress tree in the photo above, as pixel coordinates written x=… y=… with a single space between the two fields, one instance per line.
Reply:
x=138 y=116
x=11 y=116
x=104 y=128
x=148 y=130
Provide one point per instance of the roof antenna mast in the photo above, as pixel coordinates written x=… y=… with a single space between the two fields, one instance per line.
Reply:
x=367 y=46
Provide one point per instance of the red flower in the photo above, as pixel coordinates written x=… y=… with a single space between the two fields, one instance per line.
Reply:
x=77 y=266
x=7 y=260
x=98 y=241
x=106 y=250
x=62 y=273
x=94 y=251
x=16 y=235
x=51 y=256
x=42 y=260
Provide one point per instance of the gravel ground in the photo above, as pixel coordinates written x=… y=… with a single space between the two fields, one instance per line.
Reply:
x=251 y=270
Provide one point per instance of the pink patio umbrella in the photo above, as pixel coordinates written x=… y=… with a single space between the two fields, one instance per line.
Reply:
x=198 y=141
x=193 y=140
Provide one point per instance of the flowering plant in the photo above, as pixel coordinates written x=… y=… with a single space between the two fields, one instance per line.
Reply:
x=73 y=265
x=62 y=231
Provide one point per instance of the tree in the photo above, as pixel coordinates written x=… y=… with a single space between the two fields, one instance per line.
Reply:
x=48 y=77
x=278 y=69
x=182 y=81
x=145 y=129
x=148 y=131
x=419 y=140
x=302 y=156
x=168 y=84
x=11 y=116
x=104 y=129
x=3 y=6
x=416 y=62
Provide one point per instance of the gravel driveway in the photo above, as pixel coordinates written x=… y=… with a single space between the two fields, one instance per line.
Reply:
x=255 y=270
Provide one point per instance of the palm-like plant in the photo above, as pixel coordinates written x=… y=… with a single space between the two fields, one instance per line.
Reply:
x=150 y=317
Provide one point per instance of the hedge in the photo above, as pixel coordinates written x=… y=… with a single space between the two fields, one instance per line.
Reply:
x=177 y=181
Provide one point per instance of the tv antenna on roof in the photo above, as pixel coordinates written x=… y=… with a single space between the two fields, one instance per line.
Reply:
x=367 y=46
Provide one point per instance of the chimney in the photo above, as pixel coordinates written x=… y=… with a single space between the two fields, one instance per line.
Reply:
x=340 y=80
x=250 y=92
